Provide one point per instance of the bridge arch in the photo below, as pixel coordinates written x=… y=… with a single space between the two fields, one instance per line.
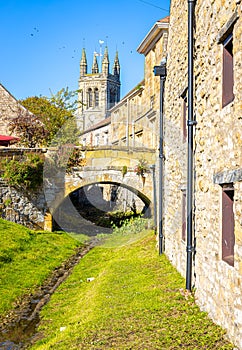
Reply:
x=69 y=214
x=137 y=192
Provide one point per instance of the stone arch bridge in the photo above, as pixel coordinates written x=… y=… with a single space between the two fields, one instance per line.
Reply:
x=113 y=166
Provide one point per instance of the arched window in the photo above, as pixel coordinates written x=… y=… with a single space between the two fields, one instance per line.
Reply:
x=89 y=98
x=113 y=98
x=96 y=97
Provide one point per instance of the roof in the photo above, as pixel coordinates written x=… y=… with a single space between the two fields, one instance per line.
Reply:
x=5 y=140
x=99 y=125
x=136 y=90
x=164 y=20
x=154 y=35
x=8 y=138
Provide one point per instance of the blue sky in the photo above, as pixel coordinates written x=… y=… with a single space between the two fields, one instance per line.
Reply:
x=41 y=40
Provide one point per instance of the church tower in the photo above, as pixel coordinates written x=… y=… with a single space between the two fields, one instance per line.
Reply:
x=99 y=90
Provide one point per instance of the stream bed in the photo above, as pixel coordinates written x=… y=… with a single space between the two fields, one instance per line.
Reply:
x=18 y=329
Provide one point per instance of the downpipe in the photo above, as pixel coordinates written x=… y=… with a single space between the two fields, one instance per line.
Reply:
x=152 y=167
x=161 y=72
x=161 y=161
x=190 y=155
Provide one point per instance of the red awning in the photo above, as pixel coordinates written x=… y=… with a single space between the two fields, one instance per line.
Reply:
x=7 y=140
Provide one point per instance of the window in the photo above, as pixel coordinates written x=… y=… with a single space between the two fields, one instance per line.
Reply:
x=152 y=100
x=228 y=238
x=97 y=140
x=113 y=96
x=184 y=214
x=228 y=71
x=105 y=137
x=89 y=98
x=96 y=97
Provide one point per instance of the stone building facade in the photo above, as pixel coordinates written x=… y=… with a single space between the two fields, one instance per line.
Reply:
x=134 y=120
x=217 y=214
x=98 y=134
x=9 y=109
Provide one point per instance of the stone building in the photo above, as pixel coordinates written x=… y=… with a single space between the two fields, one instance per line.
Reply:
x=134 y=121
x=9 y=109
x=217 y=168
x=98 y=134
x=98 y=90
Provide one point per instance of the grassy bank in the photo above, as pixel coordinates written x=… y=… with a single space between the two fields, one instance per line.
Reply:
x=27 y=258
x=126 y=296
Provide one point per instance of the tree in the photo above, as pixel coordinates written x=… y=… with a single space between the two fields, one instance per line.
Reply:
x=30 y=129
x=57 y=113
x=65 y=99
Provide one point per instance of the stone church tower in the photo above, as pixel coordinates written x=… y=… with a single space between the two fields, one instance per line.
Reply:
x=98 y=90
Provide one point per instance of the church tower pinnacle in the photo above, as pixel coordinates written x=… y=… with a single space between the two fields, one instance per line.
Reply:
x=95 y=65
x=105 y=62
x=116 y=66
x=83 y=63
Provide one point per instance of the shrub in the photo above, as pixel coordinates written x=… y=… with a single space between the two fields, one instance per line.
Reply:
x=26 y=173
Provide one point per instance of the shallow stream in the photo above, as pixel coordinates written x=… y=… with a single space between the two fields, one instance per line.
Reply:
x=18 y=329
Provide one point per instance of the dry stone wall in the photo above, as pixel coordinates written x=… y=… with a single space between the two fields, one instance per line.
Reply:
x=28 y=210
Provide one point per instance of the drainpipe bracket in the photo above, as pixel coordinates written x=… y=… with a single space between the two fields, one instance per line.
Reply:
x=190 y=249
x=191 y=122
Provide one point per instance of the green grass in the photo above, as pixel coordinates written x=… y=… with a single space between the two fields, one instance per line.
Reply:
x=135 y=301
x=27 y=258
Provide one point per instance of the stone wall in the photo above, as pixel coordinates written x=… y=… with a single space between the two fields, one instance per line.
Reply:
x=175 y=149
x=28 y=210
x=218 y=149
x=16 y=205
x=218 y=157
